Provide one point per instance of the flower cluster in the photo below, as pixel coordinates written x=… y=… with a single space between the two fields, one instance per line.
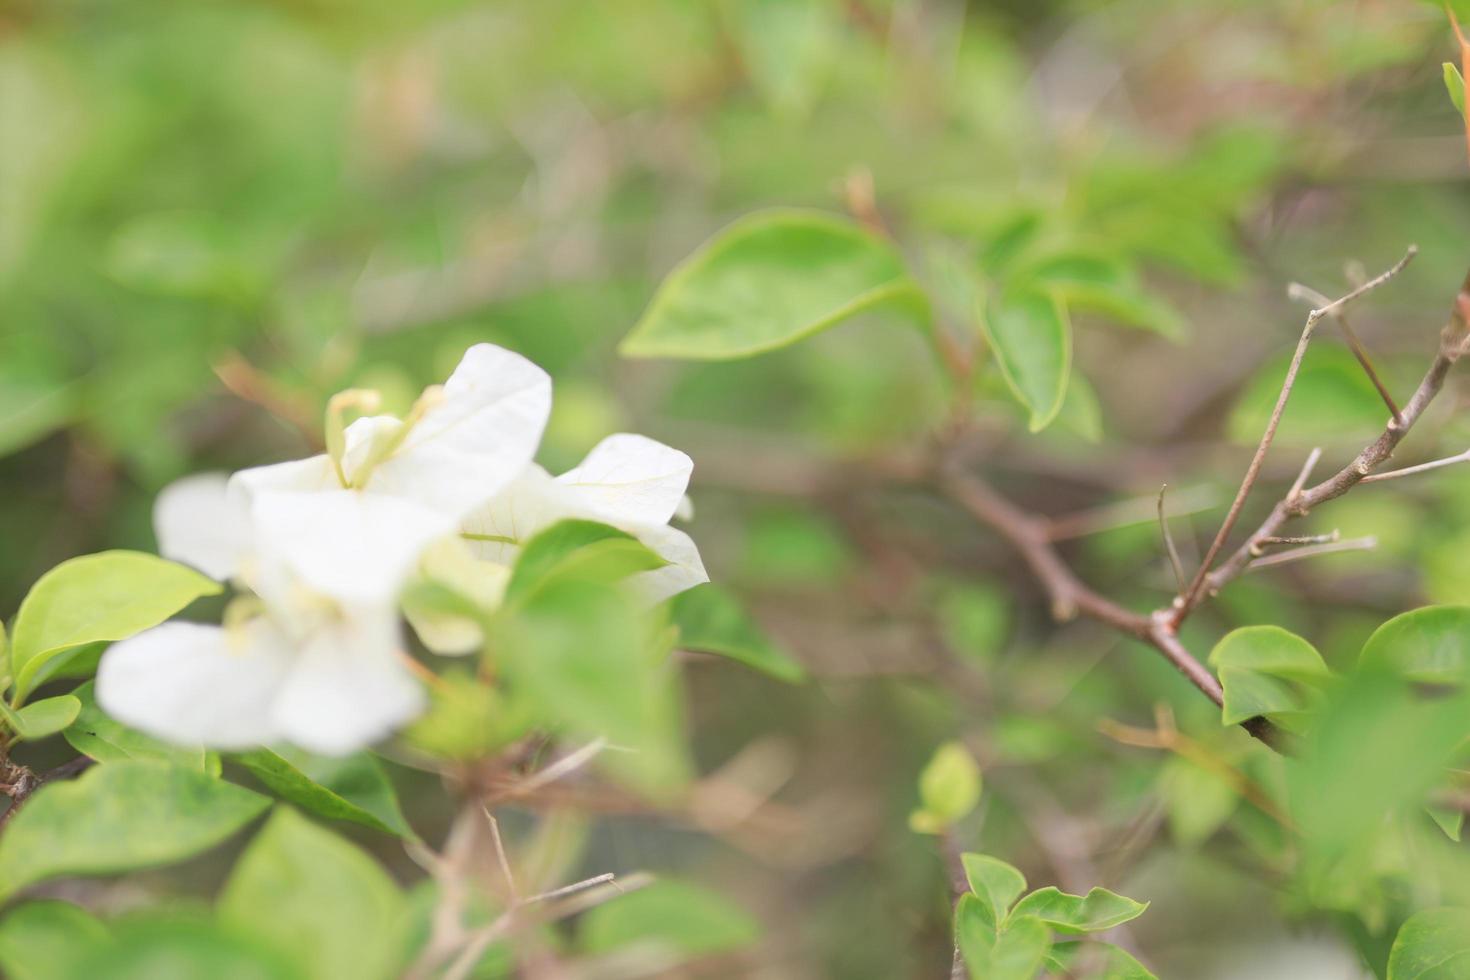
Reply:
x=322 y=549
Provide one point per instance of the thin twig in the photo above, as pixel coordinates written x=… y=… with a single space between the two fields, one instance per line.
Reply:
x=501 y=857
x=1259 y=546
x=1169 y=546
x=1298 y=291
x=1312 y=551
x=1192 y=596
x=1305 y=474
x=1420 y=468
x=562 y=767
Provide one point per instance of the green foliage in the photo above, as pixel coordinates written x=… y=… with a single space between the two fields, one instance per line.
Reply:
x=1332 y=402
x=1016 y=952
x=996 y=884
x=1114 y=963
x=42 y=718
x=48 y=940
x=1097 y=911
x=1268 y=671
x=152 y=949
x=767 y=281
x=352 y=788
x=1427 y=646
x=315 y=900
x=1454 y=84
x=99 y=737
x=468 y=719
x=710 y=620
x=672 y=916
x=1432 y=945
x=120 y=816
x=1029 y=333
x=581 y=550
x=949 y=788
x=95 y=598
x=1199 y=800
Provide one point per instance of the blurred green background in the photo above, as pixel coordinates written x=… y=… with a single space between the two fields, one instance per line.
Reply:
x=214 y=215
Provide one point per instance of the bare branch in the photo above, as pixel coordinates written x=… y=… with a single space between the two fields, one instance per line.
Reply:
x=1169 y=542
x=1197 y=587
x=1259 y=546
x=1420 y=468
x=1312 y=551
x=1305 y=474
x=1297 y=290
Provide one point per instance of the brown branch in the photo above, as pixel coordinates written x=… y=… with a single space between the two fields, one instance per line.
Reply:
x=1191 y=597
x=1070 y=596
x=1452 y=346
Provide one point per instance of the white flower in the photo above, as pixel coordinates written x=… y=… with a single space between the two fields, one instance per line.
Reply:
x=314 y=657
x=628 y=481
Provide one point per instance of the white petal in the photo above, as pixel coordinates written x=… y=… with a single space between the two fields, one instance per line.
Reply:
x=199 y=523
x=362 y=436
x=297 y=476
x=345 y=544
x=685 y=569
x=631 y=479
x=348 y=688
x=532 y=502
x=685 y=510
x=195 y=684
x=474 y=443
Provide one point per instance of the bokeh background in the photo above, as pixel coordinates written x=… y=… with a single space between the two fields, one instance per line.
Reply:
x=214 y=215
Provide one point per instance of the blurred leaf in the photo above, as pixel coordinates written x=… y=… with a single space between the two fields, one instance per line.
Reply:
x=974 y=619
x=1116 y=963
x=1097 y=911
x=352 y=788
x=47 y=940
x=1432 y=945
x=949 y=788
x=179 y=949
x=994 y=882
x=582 y=652
x=98 y=736
x=1106 y=285
x=42 y=718
x=317 y=900
x=1266 y=670
x=711 y=620
x=468 y=719
x=108 y=596
x=679 y=917
x=1198 y=801
x=585 y=549
x=794 y=549
x=767 y=281
x=1332 y=402
x=117 y=817
x=31 y=411
x=1017 y=953
x=1430 y=645
x=787 y=49
x=1081 y=414
x=1454 y=83
x=1032 y=341
x=1450 y=821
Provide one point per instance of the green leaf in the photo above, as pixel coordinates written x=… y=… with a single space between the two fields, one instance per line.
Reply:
x=468 y=719
x=582 y=549
x=98 y=736
x=994 y=882
x=1454 y=83
x=767 y=281
x=1432 y=945
x=316 y=899
x=788 y=49
x=1197 y=801
x=974 y=927
x=352 y=788
x=1086 y=280
x=974 y=618
x=711 y=620
x=108 y=596
x=677 y=916
x=1027 y=329
x=1018 y=953
x=46 y=717
x=1451 y=822
x=949 y=788
x=1266 y=670
x=1430 y=645
x=585 y=656
x=180 y=949
x=1114 y=963
x=31 y=411
x=117 y=817
x=48 y=940
x=1096 y=911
